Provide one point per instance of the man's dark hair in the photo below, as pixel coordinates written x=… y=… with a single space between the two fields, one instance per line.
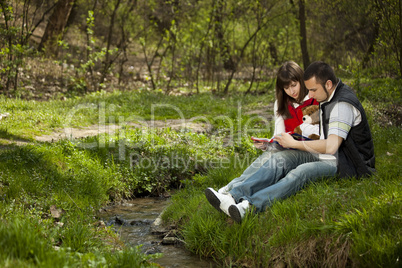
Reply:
x=321 y=71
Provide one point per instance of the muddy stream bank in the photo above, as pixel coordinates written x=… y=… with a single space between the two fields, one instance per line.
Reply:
x=138 y=223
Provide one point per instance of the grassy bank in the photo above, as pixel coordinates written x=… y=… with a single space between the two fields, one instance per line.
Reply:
x=49 y=197
x=332 y=223
x=50 y=192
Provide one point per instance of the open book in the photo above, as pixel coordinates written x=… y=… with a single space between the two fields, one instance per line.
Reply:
x=272 y=144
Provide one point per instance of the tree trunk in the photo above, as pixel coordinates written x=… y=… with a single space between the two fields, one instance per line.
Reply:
x=108 y=62
x=273 y=51
x=223 y=46
x=55 y=28
x=400 y=37
x=376 y=33
x=303 y=33
x=202 y=48
x=254 y=58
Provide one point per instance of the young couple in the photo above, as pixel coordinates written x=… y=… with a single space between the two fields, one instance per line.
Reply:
x=345 y=147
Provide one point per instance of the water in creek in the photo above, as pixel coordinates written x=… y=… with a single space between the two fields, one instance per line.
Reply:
x=134 y=222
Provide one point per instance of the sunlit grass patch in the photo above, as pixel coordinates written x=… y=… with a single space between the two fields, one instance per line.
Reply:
x=34 y=118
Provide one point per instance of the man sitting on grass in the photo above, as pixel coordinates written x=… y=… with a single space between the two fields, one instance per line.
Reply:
x=345 y=148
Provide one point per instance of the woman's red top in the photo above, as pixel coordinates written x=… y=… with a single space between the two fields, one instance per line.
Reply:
x=296 y=114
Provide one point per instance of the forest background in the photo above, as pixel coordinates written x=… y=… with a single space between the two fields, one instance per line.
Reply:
x=139 y=67
x=85 y=46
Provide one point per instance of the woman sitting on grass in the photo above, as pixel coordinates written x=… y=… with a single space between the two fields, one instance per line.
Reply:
x=291 y=97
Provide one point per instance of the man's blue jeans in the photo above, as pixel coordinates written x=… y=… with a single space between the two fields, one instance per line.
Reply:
x=253 y=168
x=281 y=176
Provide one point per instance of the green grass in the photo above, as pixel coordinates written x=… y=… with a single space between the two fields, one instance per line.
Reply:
x=34 y=178
x=331 y=223
x=32 y=118
x=30 y=238
x=80 y=179
x=81 y=176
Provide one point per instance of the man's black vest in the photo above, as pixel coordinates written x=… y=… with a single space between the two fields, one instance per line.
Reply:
x=356 y=154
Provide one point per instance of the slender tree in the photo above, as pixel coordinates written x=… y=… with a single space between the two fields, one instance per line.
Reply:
x=300 y=13
x=303 y=33
x=55 y=27
x=108 y=62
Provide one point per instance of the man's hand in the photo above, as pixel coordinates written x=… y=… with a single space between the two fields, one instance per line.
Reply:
x=327 y=146
x=285 y=140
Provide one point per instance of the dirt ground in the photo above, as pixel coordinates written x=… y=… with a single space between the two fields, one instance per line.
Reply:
x=77 y=133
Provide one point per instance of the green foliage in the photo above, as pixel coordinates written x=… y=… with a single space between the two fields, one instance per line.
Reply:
x=80 y=176
x=82 y=81
x=390 y=35
x=79 y=236
x=131 y=257
x=34 y=178
x=167 y=45
x=380 y=90
x=154 y=161
x=23 y=239
x=14 y=48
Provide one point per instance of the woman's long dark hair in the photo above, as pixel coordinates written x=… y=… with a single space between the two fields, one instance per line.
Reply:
x=289 y=72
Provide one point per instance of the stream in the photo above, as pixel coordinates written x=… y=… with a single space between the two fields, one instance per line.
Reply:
x=136 y=223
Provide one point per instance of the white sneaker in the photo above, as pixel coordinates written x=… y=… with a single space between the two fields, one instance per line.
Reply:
x=220 y=202
x=224 y=190
x=237 y=211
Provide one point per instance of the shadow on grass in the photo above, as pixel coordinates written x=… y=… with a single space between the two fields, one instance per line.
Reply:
x=5 y=135
x=46 y=170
